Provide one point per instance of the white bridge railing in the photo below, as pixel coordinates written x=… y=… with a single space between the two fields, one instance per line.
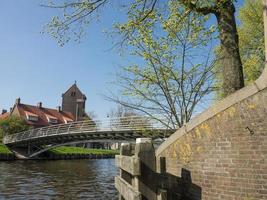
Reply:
x=110 y=125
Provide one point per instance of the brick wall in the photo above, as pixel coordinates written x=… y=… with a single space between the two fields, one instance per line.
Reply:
x=223 y=151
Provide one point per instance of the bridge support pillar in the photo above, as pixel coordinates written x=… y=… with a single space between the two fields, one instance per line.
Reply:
x=29 y=149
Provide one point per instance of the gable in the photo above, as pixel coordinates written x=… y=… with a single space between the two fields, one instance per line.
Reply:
x=74 y=91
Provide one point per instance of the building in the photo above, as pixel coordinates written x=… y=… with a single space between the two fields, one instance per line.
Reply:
x=4 y=114
x=73 y=109
x=39 y=116
x=73 y=101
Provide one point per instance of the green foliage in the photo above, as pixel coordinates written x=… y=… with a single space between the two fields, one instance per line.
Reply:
x=145 y=19
x=251 y=39
x=12 y=125
x=76 y=16
x=80 y=150
x=251 y=44
x=175 y=75
x=4 y=149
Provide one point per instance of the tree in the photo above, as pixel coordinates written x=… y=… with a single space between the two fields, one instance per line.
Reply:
x=91 y=118
x=126 y=118
x=251 y=39
x=251 y=44
x=92 y=115
x=12 y=125
x=82 y=11
x=175 y=76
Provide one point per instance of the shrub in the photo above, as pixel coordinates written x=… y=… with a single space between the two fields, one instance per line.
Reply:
x=11 y=125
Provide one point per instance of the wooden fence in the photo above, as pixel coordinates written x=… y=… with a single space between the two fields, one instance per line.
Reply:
x=138 y=179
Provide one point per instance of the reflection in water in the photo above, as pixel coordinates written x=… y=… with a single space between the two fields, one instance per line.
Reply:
x=63 y=179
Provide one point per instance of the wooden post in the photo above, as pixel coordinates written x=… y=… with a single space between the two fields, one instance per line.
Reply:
x=162 y=167
x=138 y=177
x=125 y=150
x=162 y=193
x=146 y=183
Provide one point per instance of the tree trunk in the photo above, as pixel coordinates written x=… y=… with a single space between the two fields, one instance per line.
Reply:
x=232 y=66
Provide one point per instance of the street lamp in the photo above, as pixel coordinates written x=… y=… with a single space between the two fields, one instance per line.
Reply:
x=77 y=107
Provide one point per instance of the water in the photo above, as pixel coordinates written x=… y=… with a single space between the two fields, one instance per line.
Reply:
x=63 y=179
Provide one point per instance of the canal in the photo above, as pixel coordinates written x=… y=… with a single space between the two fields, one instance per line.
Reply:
x=62 y=179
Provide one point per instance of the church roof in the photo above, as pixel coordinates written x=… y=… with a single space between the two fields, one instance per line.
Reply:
x=75 y=87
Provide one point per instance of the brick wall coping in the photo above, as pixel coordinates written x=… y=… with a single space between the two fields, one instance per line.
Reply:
x=255 y=87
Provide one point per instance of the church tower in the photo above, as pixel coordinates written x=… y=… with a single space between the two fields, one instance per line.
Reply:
x=73 y=100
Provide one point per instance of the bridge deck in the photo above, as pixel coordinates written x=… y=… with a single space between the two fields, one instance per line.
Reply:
x=88 y=130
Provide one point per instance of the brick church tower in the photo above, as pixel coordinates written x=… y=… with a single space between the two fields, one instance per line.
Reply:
x=73 y=100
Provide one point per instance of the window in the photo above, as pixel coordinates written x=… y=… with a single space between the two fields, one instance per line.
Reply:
x=52 y=121
x=32 y=118
x=73 y=94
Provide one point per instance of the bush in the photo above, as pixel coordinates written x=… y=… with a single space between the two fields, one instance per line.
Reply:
x=4 y=149
x=12 y=125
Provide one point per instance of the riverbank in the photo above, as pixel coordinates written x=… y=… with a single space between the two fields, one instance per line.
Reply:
x=64 y=153
x=5 y=153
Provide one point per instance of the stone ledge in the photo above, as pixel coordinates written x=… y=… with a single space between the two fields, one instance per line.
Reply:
x=238 y=96
x=126 y=190
x=261 y=82
x=130 y=164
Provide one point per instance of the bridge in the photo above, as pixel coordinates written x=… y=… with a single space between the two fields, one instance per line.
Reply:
x=31 y=143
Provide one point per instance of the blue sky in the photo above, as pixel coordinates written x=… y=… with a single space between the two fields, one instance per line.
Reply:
x=34 y=68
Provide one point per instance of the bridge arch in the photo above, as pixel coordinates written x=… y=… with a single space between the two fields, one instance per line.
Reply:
x=36 y=141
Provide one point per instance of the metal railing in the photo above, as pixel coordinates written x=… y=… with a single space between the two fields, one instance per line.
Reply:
x=110 y=125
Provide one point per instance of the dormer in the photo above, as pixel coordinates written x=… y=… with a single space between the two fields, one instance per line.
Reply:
x=67 y=120
x=51 y=119
x=31 y=116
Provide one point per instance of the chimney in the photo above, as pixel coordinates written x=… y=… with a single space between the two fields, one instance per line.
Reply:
x=4 y=111
x=39 y=105
x=17 y=101
x=59 y=108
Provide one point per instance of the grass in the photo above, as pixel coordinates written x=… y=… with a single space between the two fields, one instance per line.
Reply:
x=80 y=150
x=4 y=149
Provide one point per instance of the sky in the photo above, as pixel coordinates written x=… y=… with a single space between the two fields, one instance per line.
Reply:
x=34 y=68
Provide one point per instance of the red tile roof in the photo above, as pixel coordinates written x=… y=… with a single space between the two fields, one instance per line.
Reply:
x=30 y=113
x=43 y=114
x=4 y=116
